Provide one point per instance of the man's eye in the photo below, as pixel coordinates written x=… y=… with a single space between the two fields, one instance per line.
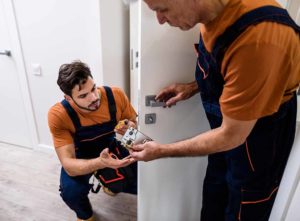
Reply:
x=82 y=96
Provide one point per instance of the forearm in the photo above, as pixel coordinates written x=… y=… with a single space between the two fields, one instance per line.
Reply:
x=229 y=135
x=213 y=141
x=77 y=167
x=194 y=87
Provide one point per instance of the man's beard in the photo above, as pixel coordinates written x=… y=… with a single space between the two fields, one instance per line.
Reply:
x=89 y=107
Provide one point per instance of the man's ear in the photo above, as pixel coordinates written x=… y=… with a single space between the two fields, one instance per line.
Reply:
x=67 y=97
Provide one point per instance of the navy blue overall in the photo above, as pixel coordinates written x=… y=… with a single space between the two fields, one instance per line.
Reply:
x=89 y=141
x=241 y=184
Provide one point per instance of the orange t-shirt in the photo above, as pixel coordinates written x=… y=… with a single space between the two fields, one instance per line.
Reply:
x=261 y=68
x=61 y=125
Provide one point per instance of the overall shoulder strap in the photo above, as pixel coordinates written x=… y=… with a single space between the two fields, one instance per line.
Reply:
x=111 y=103
x=265 y=13
x=71 y=112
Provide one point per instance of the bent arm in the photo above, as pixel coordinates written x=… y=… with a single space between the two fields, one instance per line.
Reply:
x=76 y=167
x=229 y=135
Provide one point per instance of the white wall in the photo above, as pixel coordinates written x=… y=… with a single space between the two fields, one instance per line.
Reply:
x=54 y=32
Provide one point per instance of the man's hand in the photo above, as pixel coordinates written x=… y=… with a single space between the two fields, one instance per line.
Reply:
x=231 y=134
x=111 y=161
x=146 y=152
x=177 y=92
x=123 y=125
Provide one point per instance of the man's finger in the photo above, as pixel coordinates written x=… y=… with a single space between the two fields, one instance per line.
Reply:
x=104 y=153
x=137 y=148
x=137 y=155
x=172 y=101
x=131 y=160
x=126 y=162
x=128 y=157
x=131 y=124
x=162 y=95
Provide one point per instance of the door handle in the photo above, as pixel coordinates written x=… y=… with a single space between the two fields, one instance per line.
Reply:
x=157 y=104
x=151 y=102
x=5 y=52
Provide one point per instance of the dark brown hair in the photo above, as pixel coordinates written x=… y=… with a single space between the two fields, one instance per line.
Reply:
x=70 y=75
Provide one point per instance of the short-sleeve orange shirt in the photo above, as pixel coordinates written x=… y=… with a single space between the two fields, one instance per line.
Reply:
x=261 y=68
x=62 y=128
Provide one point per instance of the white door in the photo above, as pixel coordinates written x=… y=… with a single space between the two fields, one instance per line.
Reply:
x=169 y=189
x=14 y=127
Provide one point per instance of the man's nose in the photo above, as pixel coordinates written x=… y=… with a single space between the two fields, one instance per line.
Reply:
x=161 y=18
x=93 y=97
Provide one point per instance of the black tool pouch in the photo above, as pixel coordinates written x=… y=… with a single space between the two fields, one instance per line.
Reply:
x=121 y=179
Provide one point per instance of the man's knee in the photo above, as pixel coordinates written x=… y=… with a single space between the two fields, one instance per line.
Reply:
x=74 y=192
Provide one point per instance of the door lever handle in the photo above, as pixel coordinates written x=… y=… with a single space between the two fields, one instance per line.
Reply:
x=157 y=104
x=151 y=102
x=5 y=52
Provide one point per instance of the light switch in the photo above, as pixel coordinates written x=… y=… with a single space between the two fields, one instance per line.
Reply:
x=36 y=69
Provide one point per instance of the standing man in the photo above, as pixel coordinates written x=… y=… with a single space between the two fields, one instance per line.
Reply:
x=82 y=127
x=247 y=73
